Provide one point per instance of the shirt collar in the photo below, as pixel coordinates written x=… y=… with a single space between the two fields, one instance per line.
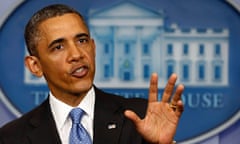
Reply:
x=61 y=110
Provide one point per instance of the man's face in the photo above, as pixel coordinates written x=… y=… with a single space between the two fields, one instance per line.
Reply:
x=66 y=55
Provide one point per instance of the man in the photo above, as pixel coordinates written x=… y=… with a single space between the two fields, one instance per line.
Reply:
x=61 y=50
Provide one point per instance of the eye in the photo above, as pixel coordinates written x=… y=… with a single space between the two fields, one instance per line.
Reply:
x=83 y=40
x=58 y=47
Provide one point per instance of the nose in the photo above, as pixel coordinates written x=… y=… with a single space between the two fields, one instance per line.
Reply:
x=74 y=53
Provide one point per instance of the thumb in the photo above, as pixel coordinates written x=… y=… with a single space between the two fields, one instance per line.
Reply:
x=133 y=117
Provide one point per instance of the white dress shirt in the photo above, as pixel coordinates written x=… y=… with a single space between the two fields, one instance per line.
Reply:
x=61 y=111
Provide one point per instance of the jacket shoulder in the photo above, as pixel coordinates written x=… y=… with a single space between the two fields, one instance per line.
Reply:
x=17 y=128
x=138 y=105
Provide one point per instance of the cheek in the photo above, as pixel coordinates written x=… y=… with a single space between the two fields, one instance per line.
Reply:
x=53 y=67
x=92 y=58
x=90 y=54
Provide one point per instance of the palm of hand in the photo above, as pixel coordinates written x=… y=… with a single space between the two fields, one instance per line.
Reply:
x=160 y=122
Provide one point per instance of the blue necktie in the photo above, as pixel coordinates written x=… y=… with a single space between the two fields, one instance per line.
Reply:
x=78 y=134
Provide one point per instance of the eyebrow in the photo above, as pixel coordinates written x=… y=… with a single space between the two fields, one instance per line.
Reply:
x=55 y=41
x=62 y=39
x=82 y=35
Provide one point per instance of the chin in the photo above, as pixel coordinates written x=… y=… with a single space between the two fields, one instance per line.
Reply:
x=84 y=86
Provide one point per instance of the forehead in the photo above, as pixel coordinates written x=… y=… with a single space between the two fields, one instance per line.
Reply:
x=66 y=24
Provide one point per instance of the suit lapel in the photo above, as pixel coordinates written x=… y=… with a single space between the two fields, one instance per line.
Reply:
x=44 y=128
x=108 y=119
x=108 y=122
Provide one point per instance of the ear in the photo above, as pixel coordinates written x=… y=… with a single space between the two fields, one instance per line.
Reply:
x=34 y=66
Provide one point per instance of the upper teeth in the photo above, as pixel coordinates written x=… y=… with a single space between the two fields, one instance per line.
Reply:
x=79 y=70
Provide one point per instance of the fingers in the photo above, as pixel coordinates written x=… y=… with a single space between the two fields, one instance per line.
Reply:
x=177 y=95
x=176 y=104
x=153 y=89
x=176 y=101
x=132 y=116
x=169 y=88
x=180 y=108
x=168 y=91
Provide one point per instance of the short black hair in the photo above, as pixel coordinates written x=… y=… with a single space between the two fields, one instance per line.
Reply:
x=32 y=33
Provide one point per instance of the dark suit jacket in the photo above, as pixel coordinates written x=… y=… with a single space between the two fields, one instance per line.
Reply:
x=38 y=126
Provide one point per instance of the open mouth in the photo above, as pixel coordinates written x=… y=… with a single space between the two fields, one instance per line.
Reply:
x=80 y=71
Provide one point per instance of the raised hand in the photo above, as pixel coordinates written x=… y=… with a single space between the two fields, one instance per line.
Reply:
x=162 y=117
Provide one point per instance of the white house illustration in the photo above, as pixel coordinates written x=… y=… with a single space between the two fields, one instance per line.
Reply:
x=132 y=41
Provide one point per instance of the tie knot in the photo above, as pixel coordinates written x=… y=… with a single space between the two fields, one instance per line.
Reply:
x=76 y=115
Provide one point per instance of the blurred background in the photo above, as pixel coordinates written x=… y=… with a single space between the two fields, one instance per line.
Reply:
x=198 y=40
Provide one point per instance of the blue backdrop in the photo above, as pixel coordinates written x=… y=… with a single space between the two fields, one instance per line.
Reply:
x=215 y=120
